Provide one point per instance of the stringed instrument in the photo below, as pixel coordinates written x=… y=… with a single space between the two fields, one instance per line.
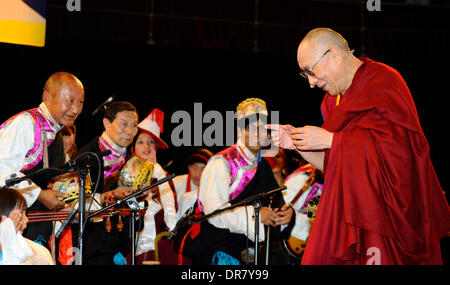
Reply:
x=61 y=215
x=293 y=246
x=135 y=173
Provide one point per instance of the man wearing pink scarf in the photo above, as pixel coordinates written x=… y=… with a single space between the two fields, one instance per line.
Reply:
x=236 y=173
x=29 y=141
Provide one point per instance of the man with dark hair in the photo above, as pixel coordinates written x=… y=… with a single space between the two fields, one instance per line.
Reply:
x=30 y=141
x=120 y=120
x=14 y=248
x=186 y=185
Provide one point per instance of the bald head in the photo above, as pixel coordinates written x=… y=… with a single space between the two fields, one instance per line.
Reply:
x=326 y=57
x=64 y=96
x=61 y=79
x=321 y=39
x=325 y=37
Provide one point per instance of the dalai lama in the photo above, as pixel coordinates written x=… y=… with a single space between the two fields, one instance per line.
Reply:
x=382 y=202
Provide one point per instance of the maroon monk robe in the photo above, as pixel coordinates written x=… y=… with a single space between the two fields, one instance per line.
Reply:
x=382 y=202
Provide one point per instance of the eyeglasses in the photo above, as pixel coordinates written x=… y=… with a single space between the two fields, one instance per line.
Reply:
x=305 y=73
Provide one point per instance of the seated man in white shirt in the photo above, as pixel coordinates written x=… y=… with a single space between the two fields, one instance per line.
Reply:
x=304 y=188
x=186 y=185
x=120 y=121
x=234 y=174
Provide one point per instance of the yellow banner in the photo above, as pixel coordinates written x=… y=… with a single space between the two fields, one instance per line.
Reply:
x=21 y=24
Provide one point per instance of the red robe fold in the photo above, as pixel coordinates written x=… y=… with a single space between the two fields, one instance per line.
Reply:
x=382 y=202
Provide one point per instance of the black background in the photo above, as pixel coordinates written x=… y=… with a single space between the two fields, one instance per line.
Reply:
x=212 y=52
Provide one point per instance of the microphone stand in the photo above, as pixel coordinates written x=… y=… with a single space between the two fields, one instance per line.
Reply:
x=82 y=173
x=255 y=200
x=133 y=206
x=133 y=235
x=132 y=210
x=268 y=238
x=83 y=169
x=257 y=205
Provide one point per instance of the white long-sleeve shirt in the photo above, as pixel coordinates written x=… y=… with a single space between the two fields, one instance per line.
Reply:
x=18 y=250
x=302 y=225
x=185 y=199
x=16 y=139
x=148 y=234
x=214 y=194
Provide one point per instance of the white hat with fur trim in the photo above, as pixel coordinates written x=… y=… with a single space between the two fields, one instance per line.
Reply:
x=153 y=125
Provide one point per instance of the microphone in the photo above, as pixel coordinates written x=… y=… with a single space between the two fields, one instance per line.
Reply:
x=109 y=100
x=68 y=220
x=52 y=172
x=168 y=164
x=48 y=173
x=256 y=197
x=186 y=220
